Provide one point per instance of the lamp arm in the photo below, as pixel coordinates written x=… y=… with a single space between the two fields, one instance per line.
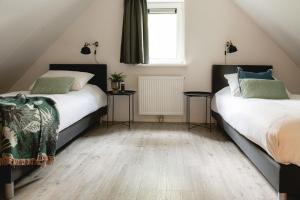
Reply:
x=96 y=44
x=225 y=52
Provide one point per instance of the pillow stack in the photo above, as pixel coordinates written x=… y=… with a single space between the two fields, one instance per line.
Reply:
x=60 y=82
x=256 y=85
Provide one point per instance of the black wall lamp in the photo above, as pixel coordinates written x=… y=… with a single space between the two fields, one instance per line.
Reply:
x=86 y=50
x=229 y=48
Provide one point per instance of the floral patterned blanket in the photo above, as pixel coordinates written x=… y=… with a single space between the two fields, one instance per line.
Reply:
x=28 y=130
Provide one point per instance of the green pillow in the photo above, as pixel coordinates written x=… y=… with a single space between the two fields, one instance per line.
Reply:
x=263 y=89
x=52 y=85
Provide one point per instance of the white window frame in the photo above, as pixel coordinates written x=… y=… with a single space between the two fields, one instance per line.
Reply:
x=180 y=60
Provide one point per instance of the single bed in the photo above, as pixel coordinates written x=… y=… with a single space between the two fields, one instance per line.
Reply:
x=78 y=111
x=284 y=177
x=271 y=124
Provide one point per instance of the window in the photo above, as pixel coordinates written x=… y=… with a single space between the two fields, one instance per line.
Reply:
x=166 y=32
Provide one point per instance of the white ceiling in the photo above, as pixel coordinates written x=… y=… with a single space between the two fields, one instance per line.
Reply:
x=28 y=28
x=280 y=19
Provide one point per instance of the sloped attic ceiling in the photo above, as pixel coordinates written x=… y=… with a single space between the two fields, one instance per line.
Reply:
x=280 y=19
x=27 y=29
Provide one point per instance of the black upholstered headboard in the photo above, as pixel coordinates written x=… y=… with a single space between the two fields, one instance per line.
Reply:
x=100 y=71
x=218 y=72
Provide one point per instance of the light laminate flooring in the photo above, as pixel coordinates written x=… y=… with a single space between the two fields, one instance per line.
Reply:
x=151 y=161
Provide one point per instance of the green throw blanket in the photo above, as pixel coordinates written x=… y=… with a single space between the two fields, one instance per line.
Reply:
x=28 y=130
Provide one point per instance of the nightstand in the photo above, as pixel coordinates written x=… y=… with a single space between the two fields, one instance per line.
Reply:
x=130 y=94
x=198 y=94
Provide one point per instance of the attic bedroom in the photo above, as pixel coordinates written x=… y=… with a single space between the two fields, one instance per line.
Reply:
x=150 y=100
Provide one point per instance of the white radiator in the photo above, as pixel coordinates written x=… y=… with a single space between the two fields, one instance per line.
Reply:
x=161 y=95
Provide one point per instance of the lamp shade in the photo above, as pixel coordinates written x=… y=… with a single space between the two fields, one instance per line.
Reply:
x=85 y=50
x=231 y=48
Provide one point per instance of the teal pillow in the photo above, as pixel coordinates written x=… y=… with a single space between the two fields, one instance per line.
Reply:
x=255 y=75
x=52 y=85
x=263 y=89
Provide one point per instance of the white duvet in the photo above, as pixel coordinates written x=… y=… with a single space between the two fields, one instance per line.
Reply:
x=75 y=105
x=272 y=124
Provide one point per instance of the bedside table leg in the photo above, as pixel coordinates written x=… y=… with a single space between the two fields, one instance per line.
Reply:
x=132 y=108
x=188 y=107
x=107 y=115
x=129 y=110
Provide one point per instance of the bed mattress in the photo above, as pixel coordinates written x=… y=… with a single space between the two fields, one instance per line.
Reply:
x=274 y=125
x=75 y=105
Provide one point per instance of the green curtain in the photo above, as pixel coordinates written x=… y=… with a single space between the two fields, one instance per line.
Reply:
x=135 y=44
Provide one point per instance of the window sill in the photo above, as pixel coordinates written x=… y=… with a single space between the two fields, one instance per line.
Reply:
x=164 y=65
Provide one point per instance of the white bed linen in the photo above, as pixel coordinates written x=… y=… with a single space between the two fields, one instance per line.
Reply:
x=75 y=105
x=272 y=124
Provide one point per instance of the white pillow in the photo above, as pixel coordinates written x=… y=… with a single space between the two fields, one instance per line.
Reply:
x=80 y=78
x=234 y=85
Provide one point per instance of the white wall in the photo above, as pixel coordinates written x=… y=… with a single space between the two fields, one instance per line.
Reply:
x=280 y=19
x=209 y=23
x=27 y=29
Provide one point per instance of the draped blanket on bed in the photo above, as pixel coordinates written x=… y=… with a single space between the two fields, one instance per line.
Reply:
x=28 y=130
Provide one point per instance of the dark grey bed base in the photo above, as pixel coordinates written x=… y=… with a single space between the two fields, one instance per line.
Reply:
x=11 y=174
x=285 y=179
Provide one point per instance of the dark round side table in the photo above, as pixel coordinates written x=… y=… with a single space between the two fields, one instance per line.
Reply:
x=130 y=94
x=199 y=94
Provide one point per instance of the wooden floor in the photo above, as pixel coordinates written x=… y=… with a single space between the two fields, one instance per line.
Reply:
x=149 y=162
